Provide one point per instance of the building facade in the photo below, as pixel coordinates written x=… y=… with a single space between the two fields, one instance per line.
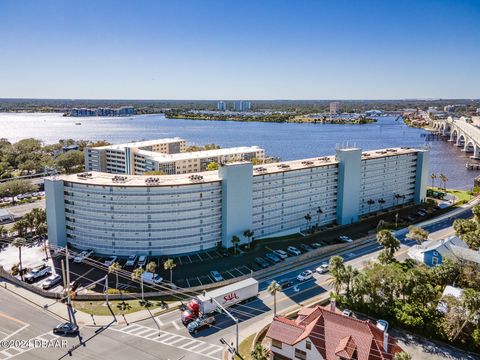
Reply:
x=242 y=105
x=166 y=155
x=221 y=106
x=175 y=214
x=335 y=107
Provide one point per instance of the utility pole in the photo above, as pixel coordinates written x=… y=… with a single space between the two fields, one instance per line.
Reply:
x=71 y=312
x=235 y=349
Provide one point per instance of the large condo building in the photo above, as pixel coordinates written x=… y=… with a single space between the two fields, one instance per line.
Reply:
x=165 y=155
x=334 y=107
x=175 y=214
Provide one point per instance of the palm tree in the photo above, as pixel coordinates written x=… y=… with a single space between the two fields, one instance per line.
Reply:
x=42 y=229
x=18 y=243
x=433 y=177
x=272 y=289
x=381 y=201
x=476 y=213
x=319 y=212
x=248 y=234
x=169 y=264
x=115 y=268
x=337 y=269
x=444 y=179
x=39 y=217
x=3 y=231
x=259 y=352
x=151 y=267
x=370 y=202
x=390 y=243
x=137 y=275
x=235 y=240
x=29 y=219
x=20 y=227
x=308 y=217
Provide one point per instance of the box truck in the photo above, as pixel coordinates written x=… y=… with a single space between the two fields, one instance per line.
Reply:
x=226 y=296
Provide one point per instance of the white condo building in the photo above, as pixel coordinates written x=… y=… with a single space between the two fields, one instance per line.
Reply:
x=176 y=214
x=166 y=155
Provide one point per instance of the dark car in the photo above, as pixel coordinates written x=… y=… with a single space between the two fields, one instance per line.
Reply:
x=305 y=248
x=272 y=257
x=285 y=283
x=64 y=329
x=262 y=262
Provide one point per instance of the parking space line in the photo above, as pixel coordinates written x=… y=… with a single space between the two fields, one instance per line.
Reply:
x=209 y=255
x=210 y=278
x=199 y=281
x=175 y=325
x=218 y=254
x=201 y=259
x=180 y=260
x=187 y=282
x=229 y=273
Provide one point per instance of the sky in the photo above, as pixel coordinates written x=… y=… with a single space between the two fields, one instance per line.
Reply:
x=239 y=49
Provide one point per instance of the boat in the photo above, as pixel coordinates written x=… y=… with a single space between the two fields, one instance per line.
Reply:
x=78 y=123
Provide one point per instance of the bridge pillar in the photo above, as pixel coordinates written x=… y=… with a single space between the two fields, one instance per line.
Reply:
x=476 y=152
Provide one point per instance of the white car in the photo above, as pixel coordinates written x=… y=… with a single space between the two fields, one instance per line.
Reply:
x=142 y=260
x=347 y=312
x=292 y=250
x=132 y=260
x=345 y=239
x=322 y=269
x=216 y=276
x=82 y=256
x=306 y=275
x=110 y=260
x=280 y=253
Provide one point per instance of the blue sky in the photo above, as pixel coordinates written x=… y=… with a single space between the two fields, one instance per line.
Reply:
x=250 y=49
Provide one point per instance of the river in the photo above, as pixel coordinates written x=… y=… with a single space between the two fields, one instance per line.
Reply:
x=285 y=140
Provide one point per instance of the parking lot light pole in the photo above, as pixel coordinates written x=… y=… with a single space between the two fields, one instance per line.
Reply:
x=231 y=317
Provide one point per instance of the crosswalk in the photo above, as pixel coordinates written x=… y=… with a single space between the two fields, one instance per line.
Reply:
x=12 y=352
x=167 y=338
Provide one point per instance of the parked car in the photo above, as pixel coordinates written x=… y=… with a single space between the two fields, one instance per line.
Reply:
x=323 y=268
x=82 y=256
x=285 y=283
x=37 y=273
x=64 y=329
x=200 y=322
x=281 y=254
x=142 y=260
x=305 y=247
x=109 y=261
x=151 y=278
x=316 y=245
x=216 y=276
x=345 y=239
x=292 y=250
x=347 y=312
x=273 y=258
x=306 y=275
x=262 y=262
x=131 y=261
x=51 y=281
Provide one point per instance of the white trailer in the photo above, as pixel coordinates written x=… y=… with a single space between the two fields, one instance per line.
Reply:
x=228 y=295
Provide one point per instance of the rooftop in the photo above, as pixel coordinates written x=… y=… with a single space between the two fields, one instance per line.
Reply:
x=107 y=179
x=139 y=144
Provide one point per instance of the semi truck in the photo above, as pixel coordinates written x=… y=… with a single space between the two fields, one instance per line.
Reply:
x=226 y=296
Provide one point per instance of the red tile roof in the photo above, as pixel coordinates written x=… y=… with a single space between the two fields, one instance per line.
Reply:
x=333 y=335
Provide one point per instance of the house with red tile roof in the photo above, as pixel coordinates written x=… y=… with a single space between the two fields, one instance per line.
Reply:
x=321 y=334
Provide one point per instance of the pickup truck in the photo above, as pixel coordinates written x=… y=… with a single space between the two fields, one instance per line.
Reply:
x=37 y=273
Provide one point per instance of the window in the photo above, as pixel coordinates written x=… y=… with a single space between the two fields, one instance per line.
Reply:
x=300 y=354
x=277 y=344
x=435 y=261
x=308 y=345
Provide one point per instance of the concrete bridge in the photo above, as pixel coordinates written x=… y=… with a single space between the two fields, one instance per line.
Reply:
x=461 y=133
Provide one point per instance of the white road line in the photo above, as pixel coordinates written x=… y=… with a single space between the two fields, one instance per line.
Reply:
x=19 y=351
x=160 y=322
x=143 y=332
x=170 y=339
x=175 y=325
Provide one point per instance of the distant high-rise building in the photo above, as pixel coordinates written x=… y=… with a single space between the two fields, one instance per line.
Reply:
x=241 y=105
x=449 y=108
x=221 y=106
x=334 y=107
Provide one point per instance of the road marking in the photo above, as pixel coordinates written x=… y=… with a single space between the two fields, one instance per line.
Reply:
x=175 y=325
x=7 y=354
x=169 y=339
x=16 y=332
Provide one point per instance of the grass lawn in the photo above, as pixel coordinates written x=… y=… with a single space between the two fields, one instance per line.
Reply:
x=245 y=348
x=118 y=306
x=461 y=195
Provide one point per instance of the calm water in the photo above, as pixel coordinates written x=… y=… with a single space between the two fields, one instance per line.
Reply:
x=287 y=141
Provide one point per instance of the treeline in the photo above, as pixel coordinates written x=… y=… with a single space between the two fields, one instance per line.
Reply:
x=278 y=118
x=30 y=156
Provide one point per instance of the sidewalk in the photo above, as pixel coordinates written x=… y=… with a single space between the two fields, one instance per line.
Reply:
x=59 y=309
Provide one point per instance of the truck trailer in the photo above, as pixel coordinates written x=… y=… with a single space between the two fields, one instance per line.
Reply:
x=226 y=296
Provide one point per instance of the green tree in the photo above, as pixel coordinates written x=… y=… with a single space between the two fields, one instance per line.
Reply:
x=13 y=188
x=417 y=233
x=212 y=166
x=259 y=352
x=337 y=270
x=137 y=275
x=476 y=213
x=390 y=244
x=115 y=268
x=169 y=264
x=463 y=226
x=472 y=239
x=433 y=177
x=70 y=160
x=402 y=356
x=235 y=240
x=151 y=267
x=248 y=234
x=19 y=242
x=272 y=289
x=443 y=180
x=20 y=227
